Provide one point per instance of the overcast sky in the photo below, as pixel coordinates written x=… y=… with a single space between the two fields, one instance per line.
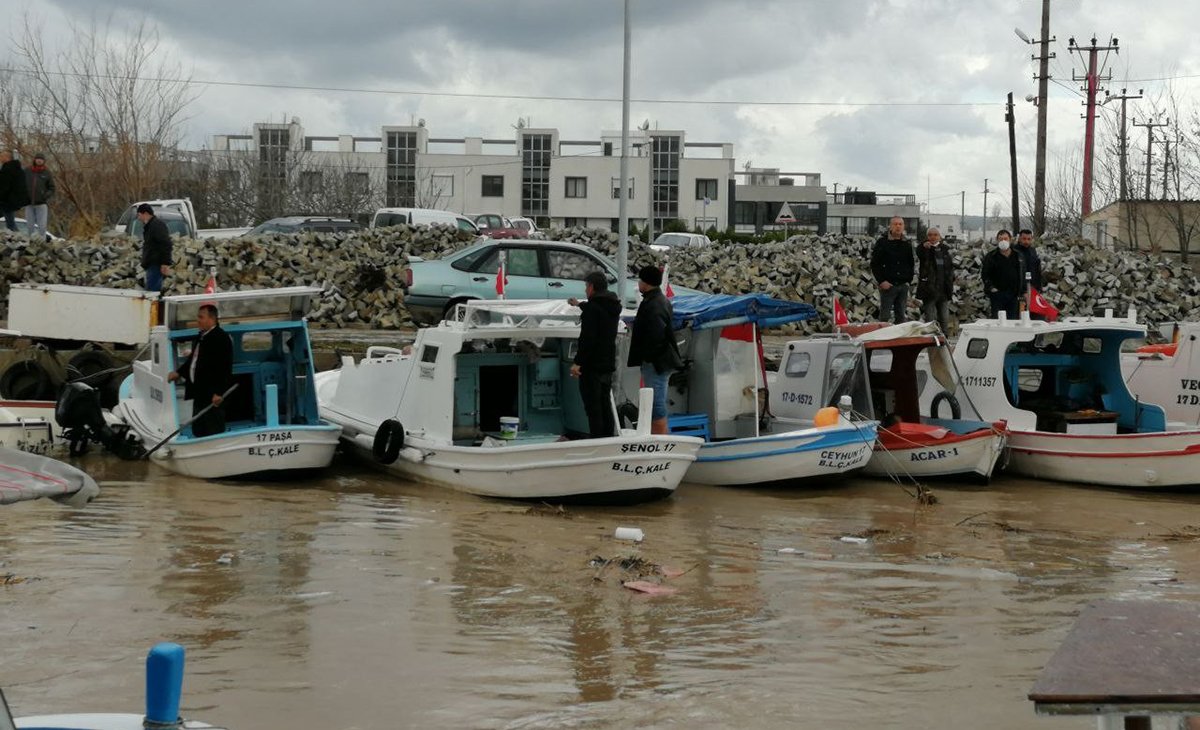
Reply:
x=840 y=52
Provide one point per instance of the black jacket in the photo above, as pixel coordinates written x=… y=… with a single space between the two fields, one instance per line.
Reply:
x=597 y=352
x=1006 y=274
x=39 y=184
x=156 y=244
x=653 y=337
x=892 y=261
x=214 y=366
x=1033 y=264
x=936 y=281
x=13 y=193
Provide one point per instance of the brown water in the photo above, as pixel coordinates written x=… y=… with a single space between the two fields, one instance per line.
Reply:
x=352 y=601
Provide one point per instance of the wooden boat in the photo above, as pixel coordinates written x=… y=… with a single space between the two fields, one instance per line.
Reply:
x=433 y=413
x=272 y=423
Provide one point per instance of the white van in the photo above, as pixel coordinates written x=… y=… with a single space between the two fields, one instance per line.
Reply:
x=421 y=217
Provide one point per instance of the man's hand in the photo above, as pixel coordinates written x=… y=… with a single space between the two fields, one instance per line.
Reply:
x=574 y=371
x=172 y=376
x=885 y=285
x=573 y=302
x=164 y=269
x=217 y=399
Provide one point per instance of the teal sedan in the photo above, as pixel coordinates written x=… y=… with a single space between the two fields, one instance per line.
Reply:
x=536 y=270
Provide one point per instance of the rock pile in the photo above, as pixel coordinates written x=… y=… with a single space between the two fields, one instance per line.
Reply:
x=361 y=271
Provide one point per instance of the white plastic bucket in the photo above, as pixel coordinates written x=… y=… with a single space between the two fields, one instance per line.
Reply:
x=509 y=425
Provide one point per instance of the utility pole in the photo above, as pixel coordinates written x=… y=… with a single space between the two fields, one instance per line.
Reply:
x=1123 y=145
x=1091 y=85
x=1149 y=125
x=1011 y=117
x=1166 y=165
x=1043 y=104
x=623 y=202
x=962 y=215
x=985 y=194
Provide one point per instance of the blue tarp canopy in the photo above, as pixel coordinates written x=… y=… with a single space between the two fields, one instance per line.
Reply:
x=704 y=311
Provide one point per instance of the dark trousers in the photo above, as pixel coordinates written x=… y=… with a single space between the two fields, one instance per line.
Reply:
x=210 y=423
x=1003 y=301
x=10 y=220
x=893 y=303
x=596 y=391
x=154 y=278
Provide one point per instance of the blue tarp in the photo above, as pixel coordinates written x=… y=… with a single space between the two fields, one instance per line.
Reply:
x=702 y=311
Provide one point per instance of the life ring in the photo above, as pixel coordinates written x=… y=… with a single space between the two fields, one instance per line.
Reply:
x=26 y=380
x=955 y=408
x=389 y=439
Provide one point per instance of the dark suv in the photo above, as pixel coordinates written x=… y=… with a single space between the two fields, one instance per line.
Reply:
x=298 y=223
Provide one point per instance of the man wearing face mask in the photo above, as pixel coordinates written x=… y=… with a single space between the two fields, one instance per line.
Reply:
x=935 y=284
x=1003 y=276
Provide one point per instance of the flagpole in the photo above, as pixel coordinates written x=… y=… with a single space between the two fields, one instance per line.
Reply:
x=623 y=205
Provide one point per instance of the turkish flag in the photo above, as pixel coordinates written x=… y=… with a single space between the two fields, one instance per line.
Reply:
x=666 y=269
x=839 y=315
x=501 y=280
x=1039 y=305
x=211 y=286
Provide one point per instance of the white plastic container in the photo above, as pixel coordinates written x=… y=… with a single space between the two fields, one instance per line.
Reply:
x=509 y=426
x=85 y=313
x=629 y=533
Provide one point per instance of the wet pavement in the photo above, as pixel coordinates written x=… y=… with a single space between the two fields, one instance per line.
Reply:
x=353 y=601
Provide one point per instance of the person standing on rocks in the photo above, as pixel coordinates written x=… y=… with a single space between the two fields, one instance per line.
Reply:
x=13 y=193
x=39 y=183
x=652 y=344
x=935 y=284
x=1003 y=274
x=596 y=355
x=156 y=247
x=892 y=264
x=1033 y=264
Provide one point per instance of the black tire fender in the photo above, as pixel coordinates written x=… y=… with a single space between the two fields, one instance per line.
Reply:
x=389 y=439
x=86 y=365
x=935 y=406
x=26 y=380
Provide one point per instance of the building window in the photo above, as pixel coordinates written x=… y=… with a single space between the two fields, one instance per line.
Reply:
x=310 y=182
x=858 y=225
x=535 y=175
x=492 y=186
x=576 y=187
x=616 y=188
x=665 y=152
x=833 y=224
x=572 y=222
x=357 y=183
x=608 y=149
x=704 y=224
x=273 y=146
x=441 y=186
x=744 y=213
x=401 y=185
x=706 y=189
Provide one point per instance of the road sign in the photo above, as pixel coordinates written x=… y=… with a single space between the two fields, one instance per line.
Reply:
x=785 y=215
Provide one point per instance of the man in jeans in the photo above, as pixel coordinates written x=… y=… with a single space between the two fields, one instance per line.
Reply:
x=652 y=344
x=892 y=265
x=40 y=184
x=156 y=247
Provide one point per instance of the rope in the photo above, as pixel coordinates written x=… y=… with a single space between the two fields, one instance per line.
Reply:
x=923 y=493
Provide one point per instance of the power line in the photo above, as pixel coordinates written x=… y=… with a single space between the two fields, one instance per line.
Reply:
x=516 y=97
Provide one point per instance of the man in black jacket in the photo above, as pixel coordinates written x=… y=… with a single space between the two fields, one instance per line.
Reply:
x=652 y=344
x=935 y=285
x=156 y=247
x=206 y=372
x=892 y=265
x=596 y=355
x=1003 y=274
x=39 y=184
x=14 y=195
x=1033 y=265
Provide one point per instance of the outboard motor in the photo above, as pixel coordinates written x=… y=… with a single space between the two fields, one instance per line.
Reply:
x=79 y=414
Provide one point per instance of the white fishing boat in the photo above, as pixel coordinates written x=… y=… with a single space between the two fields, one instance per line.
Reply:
x=25 y=476
x=721 y=395
x=272 y=422
x=27 y=425
x=1070 y=415
x=1168 y=374
x=878 y=368
x=483 y=403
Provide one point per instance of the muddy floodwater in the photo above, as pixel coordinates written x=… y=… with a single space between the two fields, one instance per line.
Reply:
x=354 y=601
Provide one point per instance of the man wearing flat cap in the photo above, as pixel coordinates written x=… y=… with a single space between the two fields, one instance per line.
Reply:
x=156 y=247
x=652 y=345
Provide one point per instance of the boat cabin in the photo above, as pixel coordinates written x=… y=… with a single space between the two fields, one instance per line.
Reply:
x=816 y=372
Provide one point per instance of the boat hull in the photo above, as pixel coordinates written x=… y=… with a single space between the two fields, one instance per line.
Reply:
x=1169 y=460
x=812 y=456
x=610 y=470
x=973 y=454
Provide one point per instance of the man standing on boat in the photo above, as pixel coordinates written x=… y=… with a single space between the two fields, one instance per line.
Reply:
x=935 y=286
x=156 y=247
x=596 y=355
x=207 y=372
x=652 y=344
x=1003 y=276
x=892 y=264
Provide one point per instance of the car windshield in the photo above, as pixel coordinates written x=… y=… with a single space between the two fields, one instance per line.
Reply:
x=672 y=239
x=177 y=226
x=383 y=220
x=273 y=227
x=489 y=221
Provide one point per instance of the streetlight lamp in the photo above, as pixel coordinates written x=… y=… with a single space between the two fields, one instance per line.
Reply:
x=623 y=202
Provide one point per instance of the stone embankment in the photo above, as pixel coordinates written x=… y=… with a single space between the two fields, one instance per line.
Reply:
x=361 y=271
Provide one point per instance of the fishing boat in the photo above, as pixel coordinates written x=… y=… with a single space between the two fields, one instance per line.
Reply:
x=1070 y=414
x=272 y=422
x=483 y=403
x=26 y=425
x=26 y=476
x=878 y=366
x=721 y=395
x=1168 y=373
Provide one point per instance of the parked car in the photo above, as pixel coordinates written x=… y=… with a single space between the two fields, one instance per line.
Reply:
x=23 y=227
x=527 y=225
x=176 y=222
x=182 y=206
x=497 y=226
x=536 y=270
x=298 y=223
x=421 y=216
x=668 y=241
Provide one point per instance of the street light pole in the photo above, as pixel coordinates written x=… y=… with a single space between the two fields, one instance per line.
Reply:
x=623 y=204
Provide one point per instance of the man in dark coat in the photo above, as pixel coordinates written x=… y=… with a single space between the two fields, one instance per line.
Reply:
x=207 y=372
x=596 y=355
x=652 y=345
x=892 y=265
x=39 y=184
x=935 y=285
x=1033 y=264
x=156 y=247
x=1003 y=274
x=13 y=193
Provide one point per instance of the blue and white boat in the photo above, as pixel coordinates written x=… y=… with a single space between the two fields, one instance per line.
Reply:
x=272 y=423
x=721 y=395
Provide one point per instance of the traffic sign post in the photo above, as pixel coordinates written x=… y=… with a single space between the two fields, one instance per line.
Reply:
x=785 y=217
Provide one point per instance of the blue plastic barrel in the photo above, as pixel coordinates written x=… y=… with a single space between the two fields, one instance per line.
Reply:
x=164 y=684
